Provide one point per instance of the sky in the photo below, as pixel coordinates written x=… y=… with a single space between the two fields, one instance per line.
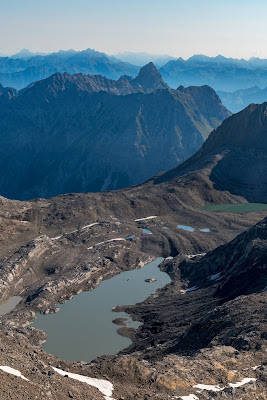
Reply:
x=180 y=28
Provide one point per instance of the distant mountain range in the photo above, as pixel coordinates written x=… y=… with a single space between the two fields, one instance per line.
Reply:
x=25 y=54
x=224 y=74
x=240 y=99
x=144 y=58
x=221 y=73
x=20 y=72
x=77 y=133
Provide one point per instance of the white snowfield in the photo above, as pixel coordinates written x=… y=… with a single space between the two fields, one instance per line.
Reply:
x=57 y=237
x=69 y=233
x=13 y=371
x=89 y=226
x=195 y=255
x=102 y=385
x=146 y=218
x=212 y=388
x=243 y=382
x=189 y=397
x=217 y=388
x=106 y=241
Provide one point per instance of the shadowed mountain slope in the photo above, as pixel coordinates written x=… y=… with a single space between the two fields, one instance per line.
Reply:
x=234 y=156
x=6 y=94
x=81 y=133
x=236 y=275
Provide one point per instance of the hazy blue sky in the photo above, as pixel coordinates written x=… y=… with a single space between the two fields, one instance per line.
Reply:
x=235 y=28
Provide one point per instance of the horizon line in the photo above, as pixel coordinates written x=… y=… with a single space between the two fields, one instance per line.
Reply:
x=116 y=54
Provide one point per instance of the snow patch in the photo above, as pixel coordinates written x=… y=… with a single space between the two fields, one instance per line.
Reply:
x=102 y=385
x=215 y=277
x=106 y=241
x=57 y=237
x=243 y=382
x=189 y=397
x=146 y=218
x=195 y=255
x=212 y=388
x=191 y=289
x=89 y=226
x=13 y=371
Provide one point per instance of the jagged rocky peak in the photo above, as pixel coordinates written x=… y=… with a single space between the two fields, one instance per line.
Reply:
x=54 y=84
x=149 y=78
x=126 y=78
x=149 y=69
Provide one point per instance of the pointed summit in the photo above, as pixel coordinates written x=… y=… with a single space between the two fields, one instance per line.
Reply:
x=149 y=78
x=149 y=69
x=24 y=54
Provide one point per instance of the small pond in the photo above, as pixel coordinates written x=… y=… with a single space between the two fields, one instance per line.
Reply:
x=147 y=231
x=130 y=237
x=186 y=228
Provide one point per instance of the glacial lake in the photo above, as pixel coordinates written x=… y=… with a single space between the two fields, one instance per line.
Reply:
x=235 y=208
x=83 y=329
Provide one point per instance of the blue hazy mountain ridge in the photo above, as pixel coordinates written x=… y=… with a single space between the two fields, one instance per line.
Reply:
x=25 y=54
x=221 y=73
x=240 y=99
x=143 y=58
x=80 y=133
x=20 y=72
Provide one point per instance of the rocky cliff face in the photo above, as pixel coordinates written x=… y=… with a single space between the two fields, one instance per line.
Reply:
x=81 y=133
x=240 y=266
x=234 y=156
x=7 y=94
x=235 y=274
